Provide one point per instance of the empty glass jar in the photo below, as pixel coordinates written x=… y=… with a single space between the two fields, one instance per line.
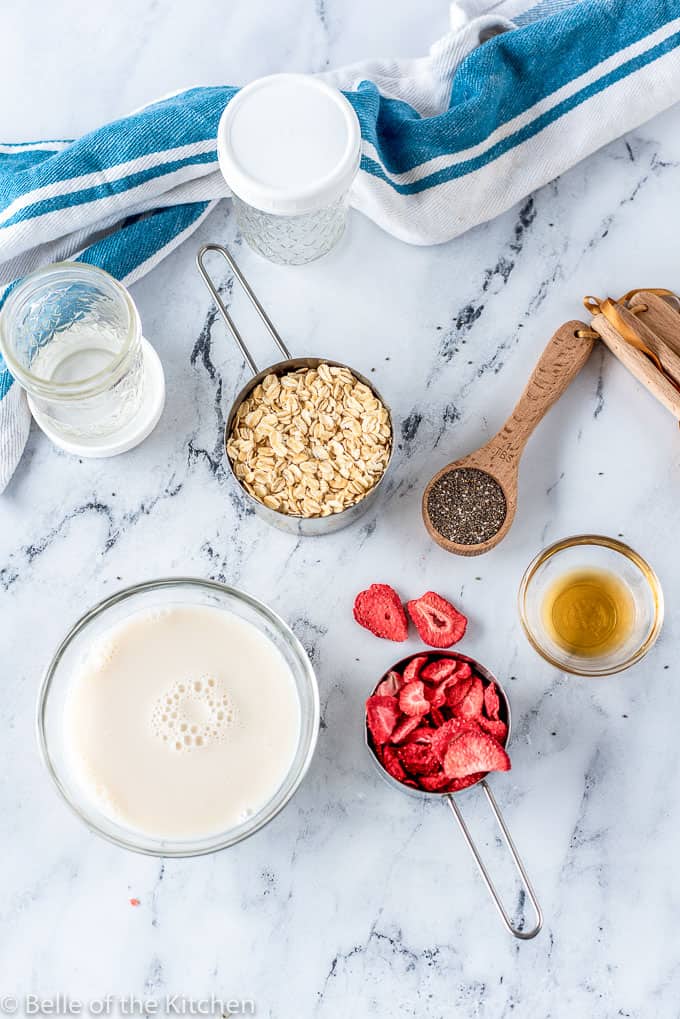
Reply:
x=289 y=148
x=71 y=336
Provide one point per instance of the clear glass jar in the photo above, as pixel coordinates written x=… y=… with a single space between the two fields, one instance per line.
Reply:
x=289 y=148
x=71 y=336
x=292 y=240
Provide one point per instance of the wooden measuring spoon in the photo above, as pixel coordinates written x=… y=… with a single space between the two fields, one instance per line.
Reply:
x=658 y=329
x=560 y=362
x=661 y=315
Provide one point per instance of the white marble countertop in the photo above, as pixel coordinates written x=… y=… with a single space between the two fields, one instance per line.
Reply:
x=357 y=901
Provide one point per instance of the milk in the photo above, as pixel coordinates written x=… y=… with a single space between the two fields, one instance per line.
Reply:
x=181 y=722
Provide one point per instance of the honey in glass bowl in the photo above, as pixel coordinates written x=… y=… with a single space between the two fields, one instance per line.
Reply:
x=589 y=612
x=590 y=605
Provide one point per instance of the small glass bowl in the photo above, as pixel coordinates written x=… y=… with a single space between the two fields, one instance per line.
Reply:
x=157 y=594
x=592 y=551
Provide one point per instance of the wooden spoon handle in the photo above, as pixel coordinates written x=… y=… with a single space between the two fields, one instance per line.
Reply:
x=558 y=365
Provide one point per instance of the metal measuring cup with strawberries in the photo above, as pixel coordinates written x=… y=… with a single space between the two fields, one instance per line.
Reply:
x=437 y=722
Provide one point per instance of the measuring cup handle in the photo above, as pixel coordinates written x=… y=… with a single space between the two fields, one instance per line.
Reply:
x=217 y=298
x=525 y=935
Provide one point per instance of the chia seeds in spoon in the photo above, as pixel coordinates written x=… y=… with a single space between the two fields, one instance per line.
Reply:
x=466 y=506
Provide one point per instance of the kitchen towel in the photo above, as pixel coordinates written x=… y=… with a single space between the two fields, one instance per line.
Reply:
x=505 y=102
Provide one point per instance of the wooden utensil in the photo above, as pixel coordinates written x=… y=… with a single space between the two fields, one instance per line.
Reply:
x=560 y=362
x=661 y=315
x=657 y=329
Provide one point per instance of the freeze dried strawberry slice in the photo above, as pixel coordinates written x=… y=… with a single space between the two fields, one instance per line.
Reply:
x=412 y=670
x=456 y=784
x=424 y=734
x=494 y=727
x=437 y=717
x=450 y=731
x=436 y=695
x=457 y=692
x=392 y=764
x=474 y=752
x=463 y=671
x=412 y=699
x=439 y=670
x=405 y=729
x=379 y=610
x=382 y=715
x=391 y=685
x=438 y=623
x=419 y=758
x=492 y=702
x=473 y=702
x=435 y=783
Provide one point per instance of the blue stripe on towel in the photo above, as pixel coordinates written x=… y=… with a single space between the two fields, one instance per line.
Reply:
x=470 y=165
x=505 y=77
x=188 y=117
x=108 y=188
x=121 y=253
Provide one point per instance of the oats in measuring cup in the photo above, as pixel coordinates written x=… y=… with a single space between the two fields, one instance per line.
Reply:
x=311 y=442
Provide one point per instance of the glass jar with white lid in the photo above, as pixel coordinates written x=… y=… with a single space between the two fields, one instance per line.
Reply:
x=289 y=148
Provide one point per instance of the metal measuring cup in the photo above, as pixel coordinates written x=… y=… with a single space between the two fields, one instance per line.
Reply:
x=289 y=522
x=488 y=677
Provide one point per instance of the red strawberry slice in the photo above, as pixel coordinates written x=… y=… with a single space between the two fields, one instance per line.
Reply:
x=412 y=699
x=419 y=758
x=456 y=784
x=436 y=695
x=379 y=610
x=473 y=702
x=492 y=703
x=463 y=671
x=391 y=685
x=437 y=717
x=474 y=752
x=440 y=670
x=412 y=670
x=457 y=692
x=405 y=729
x=494 y=727
x=382 y=715
x=438 y=623
x=423 y=734
x=392 y=764
x=435 y=783
x=450 y=731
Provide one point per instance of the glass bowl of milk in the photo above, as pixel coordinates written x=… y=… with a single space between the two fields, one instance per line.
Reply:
x=178 y=717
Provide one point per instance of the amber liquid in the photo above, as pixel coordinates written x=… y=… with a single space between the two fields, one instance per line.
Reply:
x=589 y=612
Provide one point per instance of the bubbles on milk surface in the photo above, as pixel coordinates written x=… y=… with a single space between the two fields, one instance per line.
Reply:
x=193 y=713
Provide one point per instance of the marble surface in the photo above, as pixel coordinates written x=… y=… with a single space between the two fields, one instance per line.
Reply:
x=358 y=901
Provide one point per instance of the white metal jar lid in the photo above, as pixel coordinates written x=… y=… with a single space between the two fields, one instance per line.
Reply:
x=289 y=144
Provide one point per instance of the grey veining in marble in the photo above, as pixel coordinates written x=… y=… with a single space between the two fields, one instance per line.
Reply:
x=358 y=901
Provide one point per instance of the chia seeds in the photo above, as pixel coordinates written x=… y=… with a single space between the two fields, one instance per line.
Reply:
x=467 y=506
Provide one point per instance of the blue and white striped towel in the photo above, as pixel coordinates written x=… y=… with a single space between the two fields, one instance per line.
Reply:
x=449 y=141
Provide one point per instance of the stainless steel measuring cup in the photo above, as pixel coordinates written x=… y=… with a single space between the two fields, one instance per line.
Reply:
x=450 y=799
x=284 y=521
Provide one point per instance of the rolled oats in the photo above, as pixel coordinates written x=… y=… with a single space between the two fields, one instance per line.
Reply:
x=311 y=442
